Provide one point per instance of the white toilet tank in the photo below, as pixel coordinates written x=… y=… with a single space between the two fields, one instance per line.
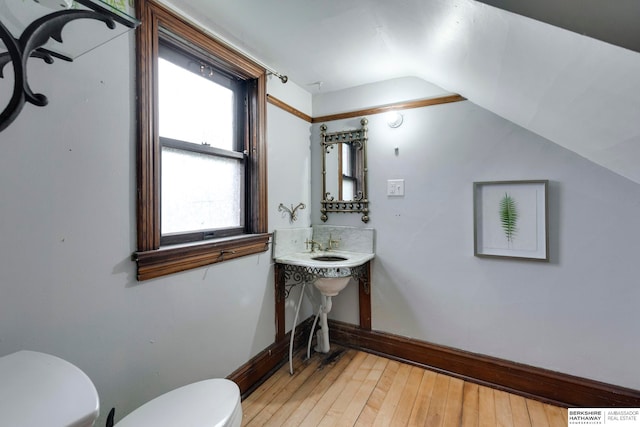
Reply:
x=38 y=389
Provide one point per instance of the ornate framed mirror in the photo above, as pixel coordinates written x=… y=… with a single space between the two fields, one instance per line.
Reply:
x=344 y=171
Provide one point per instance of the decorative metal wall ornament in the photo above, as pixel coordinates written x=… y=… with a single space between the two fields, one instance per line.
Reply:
x=293 y=216
x=357 y=138
x=29 y=45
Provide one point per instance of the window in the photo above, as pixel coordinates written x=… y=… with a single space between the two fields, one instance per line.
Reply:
x=201 y=154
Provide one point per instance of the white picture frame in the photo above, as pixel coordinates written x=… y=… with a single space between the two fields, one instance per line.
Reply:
x=511 y=219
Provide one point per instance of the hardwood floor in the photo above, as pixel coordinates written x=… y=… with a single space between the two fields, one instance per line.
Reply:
x=351 y=388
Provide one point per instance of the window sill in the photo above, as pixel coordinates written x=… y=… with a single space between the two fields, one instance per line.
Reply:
x=173 y=259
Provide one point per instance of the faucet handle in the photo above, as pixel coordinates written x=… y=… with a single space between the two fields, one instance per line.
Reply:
x=313 y=244
x=332 y=242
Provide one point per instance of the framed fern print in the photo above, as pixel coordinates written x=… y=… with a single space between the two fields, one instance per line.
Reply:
x=511 y=219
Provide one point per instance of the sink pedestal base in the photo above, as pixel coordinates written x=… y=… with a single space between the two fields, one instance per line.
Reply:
x=288 y=276
x=322 y=336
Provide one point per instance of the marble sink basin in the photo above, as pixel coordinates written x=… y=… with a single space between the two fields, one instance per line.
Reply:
x=331 y=268
x=325 y=259
x=329 y=258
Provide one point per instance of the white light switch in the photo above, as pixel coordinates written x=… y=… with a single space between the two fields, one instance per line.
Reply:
x=395 y=187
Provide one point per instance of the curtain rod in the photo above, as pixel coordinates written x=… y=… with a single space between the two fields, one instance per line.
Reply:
x=220 y=39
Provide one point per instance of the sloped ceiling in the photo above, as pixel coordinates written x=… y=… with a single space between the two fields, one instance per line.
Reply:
x=576 y=90
x=614 y=22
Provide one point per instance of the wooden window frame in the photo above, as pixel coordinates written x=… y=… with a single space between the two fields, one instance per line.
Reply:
x=154 y=260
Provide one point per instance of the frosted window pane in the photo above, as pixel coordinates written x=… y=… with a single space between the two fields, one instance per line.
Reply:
x=194 y=109
x=199 y=191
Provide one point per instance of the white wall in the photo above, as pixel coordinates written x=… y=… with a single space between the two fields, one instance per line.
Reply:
x=577 y=314
x=289 y=173
x=67 y=229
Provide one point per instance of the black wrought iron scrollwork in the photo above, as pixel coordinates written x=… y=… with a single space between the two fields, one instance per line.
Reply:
x=29 y=45
x=361 y=274
x=295 y=275
x=290 y=276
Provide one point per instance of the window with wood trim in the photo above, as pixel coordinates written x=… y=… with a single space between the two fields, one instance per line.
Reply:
x=201 y=166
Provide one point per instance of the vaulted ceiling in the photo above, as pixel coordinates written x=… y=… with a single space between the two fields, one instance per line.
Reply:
x=568 y=71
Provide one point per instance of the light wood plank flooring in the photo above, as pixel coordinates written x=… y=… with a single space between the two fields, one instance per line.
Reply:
x=352 y=388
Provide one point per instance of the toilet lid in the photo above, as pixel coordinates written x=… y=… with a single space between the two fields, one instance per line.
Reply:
x=206 y=403
x=38 y=389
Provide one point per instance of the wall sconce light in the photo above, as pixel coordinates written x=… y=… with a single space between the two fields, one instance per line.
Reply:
x=29 y=29
x=394 y=119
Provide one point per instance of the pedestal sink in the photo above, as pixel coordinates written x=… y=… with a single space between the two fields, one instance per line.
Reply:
x=330 y=272
x=334 y=281
x=349 y=250
x=330 y=287
x=330 y=284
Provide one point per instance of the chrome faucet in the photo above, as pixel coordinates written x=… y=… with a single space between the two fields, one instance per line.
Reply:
x=313 y=244
x=332 y=244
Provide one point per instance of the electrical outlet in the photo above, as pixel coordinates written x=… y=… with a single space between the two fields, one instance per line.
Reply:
x=395 y=187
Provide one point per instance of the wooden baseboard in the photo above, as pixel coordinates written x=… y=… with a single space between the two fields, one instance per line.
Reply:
x=541 y=384
x=257 y=370
x=531 y=382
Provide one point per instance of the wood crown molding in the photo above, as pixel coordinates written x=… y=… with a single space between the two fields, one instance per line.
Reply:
x=288 y=108
x=537 y=383
x=368 y=111
x=396 y=106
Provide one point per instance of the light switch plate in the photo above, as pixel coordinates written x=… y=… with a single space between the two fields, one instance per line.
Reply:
x=395 y=187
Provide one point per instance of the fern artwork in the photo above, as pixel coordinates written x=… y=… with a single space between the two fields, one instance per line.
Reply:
x=508 y=217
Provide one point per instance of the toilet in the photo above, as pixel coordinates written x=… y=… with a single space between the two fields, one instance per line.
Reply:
x=205 y=403
x=37 y=389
